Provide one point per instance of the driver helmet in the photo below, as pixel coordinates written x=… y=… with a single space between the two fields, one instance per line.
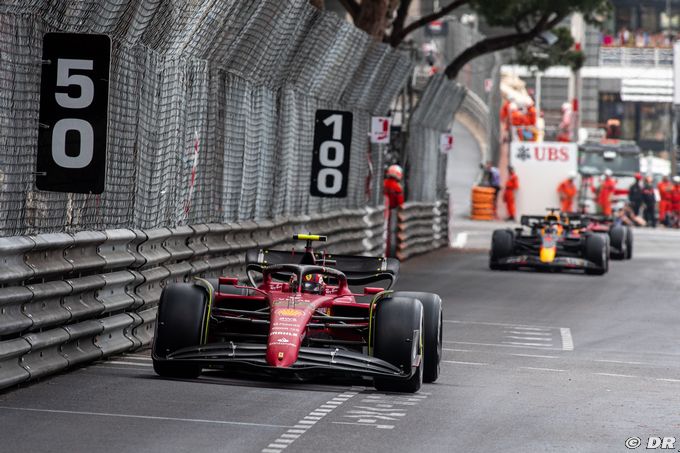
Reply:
x=313 y=283
x=395 y=171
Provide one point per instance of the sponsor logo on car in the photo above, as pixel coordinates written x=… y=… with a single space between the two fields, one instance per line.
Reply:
x=290 y=312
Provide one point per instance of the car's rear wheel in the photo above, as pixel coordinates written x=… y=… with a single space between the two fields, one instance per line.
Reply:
x=597 y=252
x=618 y=242
x=432 y=334
x=502 y=246
x=398 y=340
x=182 y=313
x=629 y=242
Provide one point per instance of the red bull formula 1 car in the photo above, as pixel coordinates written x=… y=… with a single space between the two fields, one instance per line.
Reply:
x=551 y=242
x=301 y=319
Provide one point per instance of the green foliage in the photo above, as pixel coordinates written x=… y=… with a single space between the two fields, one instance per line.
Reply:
x=522 y=15
x=541 y=56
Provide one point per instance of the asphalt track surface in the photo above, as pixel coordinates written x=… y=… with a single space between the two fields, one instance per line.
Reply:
x=533 y=362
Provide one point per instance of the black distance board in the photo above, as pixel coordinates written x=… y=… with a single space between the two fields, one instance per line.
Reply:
x=330 y=160
x=74 y=102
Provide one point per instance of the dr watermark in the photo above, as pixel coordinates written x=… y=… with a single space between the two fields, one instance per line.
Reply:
x=652 y=443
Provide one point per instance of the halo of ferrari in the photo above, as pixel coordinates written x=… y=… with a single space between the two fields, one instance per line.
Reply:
x=302 y=314
x=559 y=241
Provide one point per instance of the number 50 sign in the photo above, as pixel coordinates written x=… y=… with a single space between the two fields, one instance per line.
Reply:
x=74 y=98
x=332 y=145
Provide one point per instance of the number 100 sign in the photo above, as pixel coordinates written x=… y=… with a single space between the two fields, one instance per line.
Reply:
x=330 y=160
x=74 y=100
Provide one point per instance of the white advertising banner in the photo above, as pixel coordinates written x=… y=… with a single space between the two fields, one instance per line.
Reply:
x=380 y=129
x=540 y=168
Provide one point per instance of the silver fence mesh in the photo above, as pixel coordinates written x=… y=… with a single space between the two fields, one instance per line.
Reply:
x=425 y=165
x=235 y=83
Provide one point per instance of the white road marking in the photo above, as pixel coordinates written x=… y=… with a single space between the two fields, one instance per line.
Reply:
x=460 y=241
x=143 y=417
x=365 y=424
x=668 y=380
x=621 y=361
x=307 y=422
x=520 y=343
x=541 y=369
x=528 y=338
x=531 y=333
x=567 y=341
x=616 y=375
x=464 y=363
x=502 y=345
x=502 y=324
x=535 y=355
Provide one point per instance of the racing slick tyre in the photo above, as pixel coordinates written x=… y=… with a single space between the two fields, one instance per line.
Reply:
x=182 y=311
x=629 y=242
x=432 y=333
x=618 y=242
x=398 y=340
x=596 y=251
x=502 y=246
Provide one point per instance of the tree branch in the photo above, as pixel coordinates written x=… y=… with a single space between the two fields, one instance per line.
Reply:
x=397 y=38
x=499 y=43
x=400 y=20
x=352 y=8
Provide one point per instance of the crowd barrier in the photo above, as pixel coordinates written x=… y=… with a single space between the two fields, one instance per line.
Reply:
x=68 y=299
x=422 y=227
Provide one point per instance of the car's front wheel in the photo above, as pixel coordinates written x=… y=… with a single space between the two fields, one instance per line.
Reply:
x=181 y=323
x=433 y=320
x=399 y=323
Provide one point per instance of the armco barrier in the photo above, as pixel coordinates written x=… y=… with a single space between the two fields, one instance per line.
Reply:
x=68 y=299
x=422 y=227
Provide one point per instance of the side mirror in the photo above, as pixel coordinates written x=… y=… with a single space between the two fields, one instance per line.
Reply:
x=228 y=281
x=369 y=290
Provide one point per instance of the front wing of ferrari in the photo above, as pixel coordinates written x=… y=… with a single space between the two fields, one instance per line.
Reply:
x=310 y=360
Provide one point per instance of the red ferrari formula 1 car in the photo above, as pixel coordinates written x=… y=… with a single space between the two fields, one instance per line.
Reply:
x=620 y=236
x=302 y=319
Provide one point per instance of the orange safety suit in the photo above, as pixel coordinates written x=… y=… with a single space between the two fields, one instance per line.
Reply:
x=604 y=196
x=393 y=192
x=509 y=195
x=675 y=200
x=567 y=192
x=665 y=188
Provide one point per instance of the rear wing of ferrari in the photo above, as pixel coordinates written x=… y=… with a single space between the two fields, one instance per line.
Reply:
x=360 y=270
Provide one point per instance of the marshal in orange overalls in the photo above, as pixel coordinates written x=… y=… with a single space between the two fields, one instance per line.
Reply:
x=604 y=196
x=567 y=192
x=509 y=195
x=665 y=187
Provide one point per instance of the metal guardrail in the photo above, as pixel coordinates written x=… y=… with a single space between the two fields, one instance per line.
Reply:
x=422 y=227
x=71 y=299
x=636 y=57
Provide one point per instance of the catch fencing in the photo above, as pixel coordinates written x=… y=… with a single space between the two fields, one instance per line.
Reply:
x=69 y=299
x=236 y=83
x=425 y=165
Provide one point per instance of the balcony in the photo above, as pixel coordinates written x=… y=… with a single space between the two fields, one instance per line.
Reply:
x=648 y=57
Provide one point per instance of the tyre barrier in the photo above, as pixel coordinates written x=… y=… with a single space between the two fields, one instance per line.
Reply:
x=422 y=227
x=483 y=206
x=69 y=299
